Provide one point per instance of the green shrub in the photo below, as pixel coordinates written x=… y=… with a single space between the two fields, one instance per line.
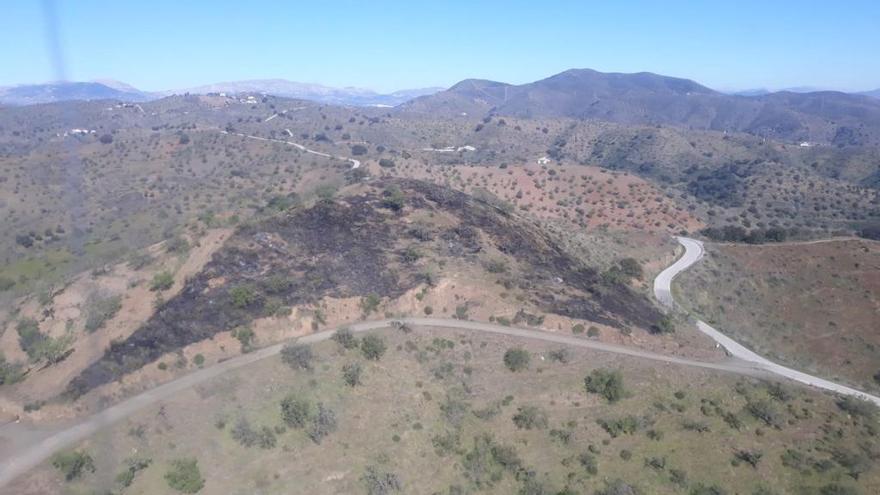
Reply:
x=351 y=374
x=243 y=296
x=101 y=310
x=345 y=338
x=184 y=476
x=298 y=356
x=370 y=303
x=323 y=423
x=577 y=329
x=607 y=383
x=517 y=359
x=295 y=411
x=530 y=418
x=373 y=347
x=133 y=466
x=6 y=283
x=161 y=281
x=626 y=425
x=199 y=360
x=73 y=464
x=9 y=372
x=245 y=336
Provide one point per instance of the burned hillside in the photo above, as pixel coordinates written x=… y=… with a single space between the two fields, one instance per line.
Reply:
x=366 y=244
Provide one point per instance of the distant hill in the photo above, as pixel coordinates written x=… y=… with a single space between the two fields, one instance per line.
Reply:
x=31 y=94
x=873 y=93
x=645 y=98
x=313 y=92
x=109 y=89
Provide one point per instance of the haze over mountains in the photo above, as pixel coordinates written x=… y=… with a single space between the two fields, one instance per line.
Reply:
x=108 y=89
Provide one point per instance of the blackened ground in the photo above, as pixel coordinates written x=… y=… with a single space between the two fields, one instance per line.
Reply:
x=346 y=248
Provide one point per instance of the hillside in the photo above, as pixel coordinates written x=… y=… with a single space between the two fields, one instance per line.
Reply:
x=373 y=246
x=441 y=411
x=651 y=99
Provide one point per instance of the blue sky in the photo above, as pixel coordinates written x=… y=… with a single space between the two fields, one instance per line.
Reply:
x=388 y=45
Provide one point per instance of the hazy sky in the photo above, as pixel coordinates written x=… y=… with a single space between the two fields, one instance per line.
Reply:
x=388 y=45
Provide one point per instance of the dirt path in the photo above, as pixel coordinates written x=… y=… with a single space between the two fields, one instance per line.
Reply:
x=24 y=447
x=663 y=292
x=354 y=163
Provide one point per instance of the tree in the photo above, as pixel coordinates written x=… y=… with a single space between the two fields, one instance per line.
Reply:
x=105 y=139
x=73 y=464
x=517 y=359
x=184 y=475
x=298 y=356
x=295 y=411
x=373 y=347
x=607 y=383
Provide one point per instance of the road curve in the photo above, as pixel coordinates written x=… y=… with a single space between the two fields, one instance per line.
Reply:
x=37 y=445
x=694 y=251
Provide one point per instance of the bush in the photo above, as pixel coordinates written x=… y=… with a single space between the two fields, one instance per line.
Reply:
x=6 y=283
x=9 y=372
x=857 y=407
x=577 y=329
x=517 y=359
x=199 y=360
x=185 y=476
x=134 y=465
x=373 y=347
x=105 y=139
x=323 y=423
x=626 y=425
x=663 y=325
x=351 y=373
x=73 y=464
x=393 y=198
x=764 y=411
x=358 y=150
x=243 y=296
x=370 y=303
x=386 y=163
x=101 y=310
x=631 y=268
x=607 y=383
x=298 y=356
x=589 y=463
x=162 y=281
x=530 y=418
x=750 y=457
x=245 y=336
x=380 y=483
x=345 y=338
x=295 y=411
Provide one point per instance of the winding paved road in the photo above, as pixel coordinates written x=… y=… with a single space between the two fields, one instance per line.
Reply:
x=694 y=251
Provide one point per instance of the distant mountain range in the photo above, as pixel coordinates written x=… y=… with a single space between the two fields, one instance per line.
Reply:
x=109 y=89
x=652 y=99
